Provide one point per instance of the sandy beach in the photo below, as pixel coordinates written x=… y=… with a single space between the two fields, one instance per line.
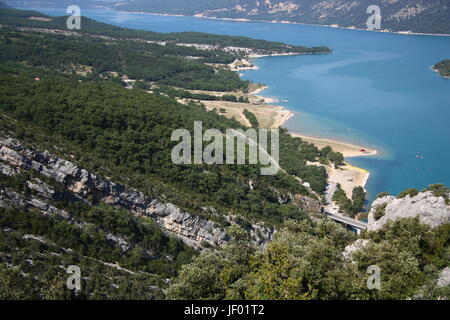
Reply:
x=347 y=176
x=269 y=116
x=241 y=65
x=258 y=89
x=347 y=149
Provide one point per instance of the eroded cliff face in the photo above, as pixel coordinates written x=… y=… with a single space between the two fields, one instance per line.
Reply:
x=433 y=211
x=192 y=229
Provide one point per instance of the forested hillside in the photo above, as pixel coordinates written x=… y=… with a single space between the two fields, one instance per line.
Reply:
x=148 y=62
x=92 y=27
x=65 y=94
x=311 y=260
x=132 y=129
x=87 y=179
x=401 y=15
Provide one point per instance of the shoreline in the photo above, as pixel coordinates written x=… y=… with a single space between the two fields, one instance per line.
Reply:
x=348 y=149
x=405 y=32
x=439 y=73
x=349 y=176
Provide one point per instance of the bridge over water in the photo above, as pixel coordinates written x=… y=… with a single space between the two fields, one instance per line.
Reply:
x=358 y=225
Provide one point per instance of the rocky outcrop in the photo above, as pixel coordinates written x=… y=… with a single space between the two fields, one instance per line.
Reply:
x=120 y=241
x=307 y=204
x=192 y=229
x=433 y=211
x=9 y=198
x=352 y=248
x=7 y=170
x=444 y=278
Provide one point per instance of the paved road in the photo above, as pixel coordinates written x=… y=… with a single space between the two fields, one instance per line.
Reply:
x=348 y=221
x=332 y=187
x=261 y=149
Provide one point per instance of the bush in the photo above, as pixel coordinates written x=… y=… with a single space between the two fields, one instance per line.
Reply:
x=251 y=118
x=409 y=192
x=439 y=190
x=382 y=195
x=380 y=211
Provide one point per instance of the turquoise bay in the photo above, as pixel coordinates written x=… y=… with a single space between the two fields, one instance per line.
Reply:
x=376 y=89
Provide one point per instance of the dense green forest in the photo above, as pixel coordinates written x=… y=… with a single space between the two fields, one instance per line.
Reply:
x=251 y=118
x=102 y=50
x=352 y=206
x=78 y=100
x=45 y=255
x=92 y=27
x=136 y=60
x=131 y=130
x=305 y=261
x=443 y=68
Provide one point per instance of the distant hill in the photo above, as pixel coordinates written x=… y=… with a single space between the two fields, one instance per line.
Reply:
x=53 y=3
x=421 y=16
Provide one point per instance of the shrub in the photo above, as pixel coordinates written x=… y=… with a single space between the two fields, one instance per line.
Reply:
x=382 y=195
x=438 y=190
x=380 y=211
x=411 y=192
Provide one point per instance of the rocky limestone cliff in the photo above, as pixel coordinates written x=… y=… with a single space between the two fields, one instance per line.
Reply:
x=305 y=203
x=433 y=211
x=444 y=278
x=192 y=229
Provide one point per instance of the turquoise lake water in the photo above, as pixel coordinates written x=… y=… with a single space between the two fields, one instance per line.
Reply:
x=376 y=89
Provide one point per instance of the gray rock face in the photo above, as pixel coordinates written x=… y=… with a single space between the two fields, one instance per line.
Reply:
x=41 y=188
x=307 y=203
x=192 y=229
x=9 y=198
x=355 y=246
x=7 y=170
x=444 y=278
x=304 y=202
x=122 y=242
x=431 y=210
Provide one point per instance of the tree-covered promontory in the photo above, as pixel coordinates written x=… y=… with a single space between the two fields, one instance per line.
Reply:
x=443 y=68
